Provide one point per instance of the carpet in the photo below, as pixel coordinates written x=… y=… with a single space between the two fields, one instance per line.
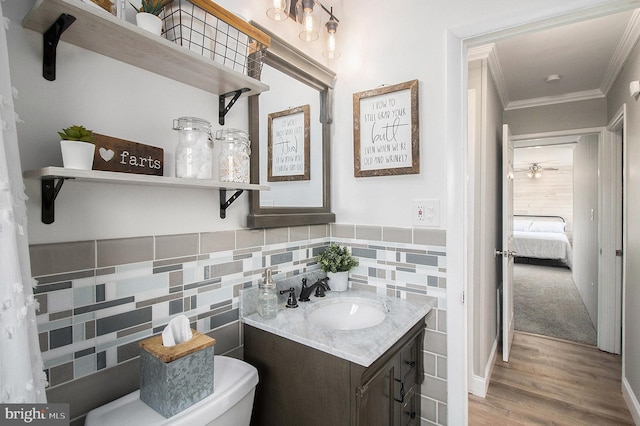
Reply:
x=547 y=302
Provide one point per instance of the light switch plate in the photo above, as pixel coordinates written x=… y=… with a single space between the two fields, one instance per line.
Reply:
x=426 y=212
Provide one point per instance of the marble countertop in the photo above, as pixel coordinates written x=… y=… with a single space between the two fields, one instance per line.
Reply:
x=361 y=346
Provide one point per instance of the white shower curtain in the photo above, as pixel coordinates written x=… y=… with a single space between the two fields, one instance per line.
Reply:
x=22 y=379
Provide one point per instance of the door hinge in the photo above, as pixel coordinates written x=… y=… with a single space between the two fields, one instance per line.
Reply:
x=462 y=298
x=619 y=252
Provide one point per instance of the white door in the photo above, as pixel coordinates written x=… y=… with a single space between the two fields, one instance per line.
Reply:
x=507 y=242
x=612 y=238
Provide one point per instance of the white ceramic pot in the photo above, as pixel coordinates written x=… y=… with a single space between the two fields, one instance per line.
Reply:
x=77 y=154
x=338 y=281
x=149 y=22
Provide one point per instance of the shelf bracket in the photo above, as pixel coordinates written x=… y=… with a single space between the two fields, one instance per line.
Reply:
x=51 y=37
x=224 y=109
x=49 y=190
x=224 y=203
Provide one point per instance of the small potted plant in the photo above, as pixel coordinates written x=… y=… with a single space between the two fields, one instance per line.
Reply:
x=147 y=16
x=77 y=147
x=337 y=261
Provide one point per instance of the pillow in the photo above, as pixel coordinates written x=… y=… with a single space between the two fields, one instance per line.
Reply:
x=546 y=226
x=521 y=225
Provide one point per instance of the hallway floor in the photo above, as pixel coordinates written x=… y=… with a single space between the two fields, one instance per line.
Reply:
x=547 y=302
x=552 y=382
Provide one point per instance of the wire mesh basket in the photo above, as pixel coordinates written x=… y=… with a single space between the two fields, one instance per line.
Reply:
x=213 y=32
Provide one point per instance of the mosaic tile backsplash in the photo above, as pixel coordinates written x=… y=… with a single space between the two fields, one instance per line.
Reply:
x=98 y=299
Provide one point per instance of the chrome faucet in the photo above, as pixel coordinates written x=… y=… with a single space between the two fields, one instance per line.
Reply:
x=319 y=286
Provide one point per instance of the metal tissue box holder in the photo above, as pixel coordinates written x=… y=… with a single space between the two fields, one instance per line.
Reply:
x=174 y=378
x=215 y=33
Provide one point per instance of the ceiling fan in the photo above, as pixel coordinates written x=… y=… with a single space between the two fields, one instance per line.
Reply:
x=534 y=171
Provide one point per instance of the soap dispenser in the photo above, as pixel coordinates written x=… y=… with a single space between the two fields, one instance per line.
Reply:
x=267 y=297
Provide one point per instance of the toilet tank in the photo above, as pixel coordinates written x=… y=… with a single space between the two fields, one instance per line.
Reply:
x=229 y=405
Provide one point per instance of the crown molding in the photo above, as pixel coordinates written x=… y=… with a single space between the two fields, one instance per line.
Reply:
x=620 y=56
x=619 y=59
x=560 y=99
x=490 y=53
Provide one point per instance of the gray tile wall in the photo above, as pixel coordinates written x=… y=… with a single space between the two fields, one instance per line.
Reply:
x=98 y=299
x=407 y=263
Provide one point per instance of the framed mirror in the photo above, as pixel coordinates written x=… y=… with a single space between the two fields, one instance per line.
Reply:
x=289 y=129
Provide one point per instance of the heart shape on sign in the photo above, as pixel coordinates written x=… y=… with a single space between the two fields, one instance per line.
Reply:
x=106 y=154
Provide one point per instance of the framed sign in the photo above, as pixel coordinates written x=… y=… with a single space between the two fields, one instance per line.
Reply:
x=120 y=155
x=288 y=145
x=386 y=131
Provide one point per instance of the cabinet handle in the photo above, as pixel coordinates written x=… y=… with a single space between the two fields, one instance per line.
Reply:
x=410 y=363
x=411 y=414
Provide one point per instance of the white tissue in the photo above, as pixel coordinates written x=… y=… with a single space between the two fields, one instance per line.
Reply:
x=177 y=331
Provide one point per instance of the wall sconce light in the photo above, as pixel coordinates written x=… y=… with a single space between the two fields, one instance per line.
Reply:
x=279 y=10
x=308 y=20
x=307 y=15
x=332 y=26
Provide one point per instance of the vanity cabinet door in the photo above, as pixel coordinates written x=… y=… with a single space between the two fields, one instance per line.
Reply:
x=409 y=413
x=408 y=363
x=375 y=399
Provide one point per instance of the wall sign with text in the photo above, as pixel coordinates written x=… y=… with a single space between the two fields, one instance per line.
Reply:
x=121 y=155
x=288 y=145
x=386 y=131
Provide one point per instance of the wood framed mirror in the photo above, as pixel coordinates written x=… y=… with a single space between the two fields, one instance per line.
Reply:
x=297 y=83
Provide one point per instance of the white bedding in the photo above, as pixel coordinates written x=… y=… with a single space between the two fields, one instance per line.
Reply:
x=543 y=245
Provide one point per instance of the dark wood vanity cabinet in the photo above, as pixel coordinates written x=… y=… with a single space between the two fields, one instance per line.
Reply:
x=302 y=386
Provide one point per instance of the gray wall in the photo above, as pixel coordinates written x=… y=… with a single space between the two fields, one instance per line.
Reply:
x=619 y=95
x=567 y=116
x=585 y=236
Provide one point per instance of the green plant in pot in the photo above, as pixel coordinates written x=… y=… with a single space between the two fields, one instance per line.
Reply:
x=337 y=261
x=147 y=16
x=76 y=144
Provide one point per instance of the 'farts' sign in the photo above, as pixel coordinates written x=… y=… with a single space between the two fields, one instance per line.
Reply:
x=120 y=155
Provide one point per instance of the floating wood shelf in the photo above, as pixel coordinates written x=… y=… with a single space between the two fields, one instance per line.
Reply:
x=53 y=177
x=101 y=32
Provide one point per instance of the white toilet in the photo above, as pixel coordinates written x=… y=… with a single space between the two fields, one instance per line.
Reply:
x=234 y=385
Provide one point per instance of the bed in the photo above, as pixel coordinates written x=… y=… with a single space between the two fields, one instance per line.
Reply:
x=541 y=238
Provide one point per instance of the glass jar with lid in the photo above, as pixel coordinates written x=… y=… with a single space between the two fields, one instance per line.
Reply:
x=234 y=157
x=194 y=152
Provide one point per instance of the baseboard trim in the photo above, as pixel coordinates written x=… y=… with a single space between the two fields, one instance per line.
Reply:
x=480 y=385
x=631 y=400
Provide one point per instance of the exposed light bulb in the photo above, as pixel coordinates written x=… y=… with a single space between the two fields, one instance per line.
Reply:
x=331 y=51
x=331 y=43
x=308 y=20
x=279 y=10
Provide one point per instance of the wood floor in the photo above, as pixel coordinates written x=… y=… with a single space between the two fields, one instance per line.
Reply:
x=552 y=382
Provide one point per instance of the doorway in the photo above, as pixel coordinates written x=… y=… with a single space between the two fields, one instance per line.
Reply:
x=481 y=369
x=556 y=227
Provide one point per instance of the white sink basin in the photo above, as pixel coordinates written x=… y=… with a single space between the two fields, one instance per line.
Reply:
x=346 y=314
